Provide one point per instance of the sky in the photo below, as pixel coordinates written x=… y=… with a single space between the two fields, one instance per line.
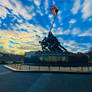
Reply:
x=23 y=23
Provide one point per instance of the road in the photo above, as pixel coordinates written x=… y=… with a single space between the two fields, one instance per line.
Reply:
x=43 y=82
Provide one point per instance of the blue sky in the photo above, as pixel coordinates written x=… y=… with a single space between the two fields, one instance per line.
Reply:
x=23 y=23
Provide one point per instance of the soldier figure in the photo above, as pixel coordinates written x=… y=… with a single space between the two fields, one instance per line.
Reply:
x=44 y=44
x=51 y=44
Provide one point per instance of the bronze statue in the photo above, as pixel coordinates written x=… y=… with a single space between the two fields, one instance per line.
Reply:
x=51 y=44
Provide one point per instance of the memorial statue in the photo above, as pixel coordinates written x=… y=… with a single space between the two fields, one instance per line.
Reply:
x=51 y=44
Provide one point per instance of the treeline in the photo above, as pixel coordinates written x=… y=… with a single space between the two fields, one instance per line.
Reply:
x=6 y=58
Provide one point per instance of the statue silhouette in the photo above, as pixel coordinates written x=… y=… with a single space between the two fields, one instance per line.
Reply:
x=51 y=44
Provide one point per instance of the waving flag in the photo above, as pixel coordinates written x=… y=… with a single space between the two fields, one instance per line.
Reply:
x=54 y=10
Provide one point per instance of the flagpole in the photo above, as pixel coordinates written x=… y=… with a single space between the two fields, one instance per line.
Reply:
x=52 y=23
x=54 y=10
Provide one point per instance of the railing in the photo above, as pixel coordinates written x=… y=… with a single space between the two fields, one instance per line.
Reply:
x=28 y=67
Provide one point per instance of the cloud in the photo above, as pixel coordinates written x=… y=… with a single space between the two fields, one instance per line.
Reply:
x=75 y=47
x=59 y=31
x=39 y=11
x=3 y=12
x=87 y=9
x=71 y=44
x=30 y=9
x=76 y=7
x=37 y=2
x=17 y=8
x=39 y=7
x=76 y=31
x=25 y=30
x=83 y=50
x=66 y=32
x=59 y=17
x=50 y=16
x=53 y=2
x=72 y=21
x=21 y=41
x=86 y=33
x=46 y=6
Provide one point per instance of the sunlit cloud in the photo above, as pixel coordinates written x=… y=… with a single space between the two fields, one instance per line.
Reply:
x=46 y=6
x=72 y=21
x=76 y=6
x=76 y=31
x=3 y=12
x=17 y=8
x=26 y=41
x=87 y=33
x=59 y=17
x=37 y=2
x=24 y=23
x=87 y=9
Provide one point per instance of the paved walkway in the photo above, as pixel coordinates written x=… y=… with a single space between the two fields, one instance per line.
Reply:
x=24 y=68
x=44 y=82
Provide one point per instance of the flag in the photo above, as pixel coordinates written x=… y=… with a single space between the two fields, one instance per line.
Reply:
x=54 y=10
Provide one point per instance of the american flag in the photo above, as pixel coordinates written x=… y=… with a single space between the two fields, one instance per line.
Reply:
x=54 y=10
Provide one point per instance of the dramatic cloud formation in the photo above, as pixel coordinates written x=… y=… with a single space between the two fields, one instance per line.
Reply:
x=23 y=23
x=76 y=6
x=87 y=9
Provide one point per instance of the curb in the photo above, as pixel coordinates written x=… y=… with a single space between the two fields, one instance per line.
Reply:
x=62 y=72
x=10 y=68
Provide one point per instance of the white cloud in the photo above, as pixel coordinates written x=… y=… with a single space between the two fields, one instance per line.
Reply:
x=87 y=9
x=59 y=17
x=66 y=32
x=50 y=16
x=17 y=9
x=86 y=33
x=76 y=31
x=46 y=6
x=30 y=8
x=5 y=3
x=76 y=7
x=83 y=50
x=40 y=12
x=75 y=46
x=37 y=2
x=59 y=31
x=88 y=45
x=72 y=21
x=53 y=2
x=54 y=25
x=3 y=12
x=27 y=40
x=71 y=46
